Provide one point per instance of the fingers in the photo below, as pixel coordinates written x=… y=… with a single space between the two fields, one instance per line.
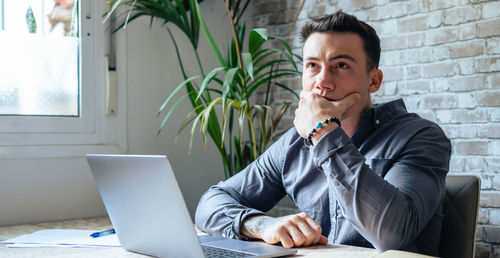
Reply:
x=307 y=234
x=321 y=107
x=323 y=240
x=284 y=237
x=296 y=234
x=304 y=93
x=348 y=101
x=299 y=230
x=304 y=97
x=315 y=227
x=293 y=230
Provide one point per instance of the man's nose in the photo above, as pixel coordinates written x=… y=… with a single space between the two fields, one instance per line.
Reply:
x=324 y=81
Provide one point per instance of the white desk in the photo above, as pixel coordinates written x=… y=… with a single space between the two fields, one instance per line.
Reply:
x=101 y=223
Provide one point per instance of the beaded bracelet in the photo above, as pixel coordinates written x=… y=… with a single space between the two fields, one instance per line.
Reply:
x=320 y=125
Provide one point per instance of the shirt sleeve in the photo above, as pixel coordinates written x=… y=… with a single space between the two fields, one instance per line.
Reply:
x=253 y=191
x=388 y=211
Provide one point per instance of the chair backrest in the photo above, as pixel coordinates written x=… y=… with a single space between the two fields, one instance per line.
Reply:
x=460 y=210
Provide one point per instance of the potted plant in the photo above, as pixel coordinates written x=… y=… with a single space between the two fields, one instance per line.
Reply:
x=223 y=99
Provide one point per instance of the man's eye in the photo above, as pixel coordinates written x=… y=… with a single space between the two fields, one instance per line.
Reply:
x=342 y=66
x=311 y=65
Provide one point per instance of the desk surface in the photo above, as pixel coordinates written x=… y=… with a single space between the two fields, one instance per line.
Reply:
x=101 y=223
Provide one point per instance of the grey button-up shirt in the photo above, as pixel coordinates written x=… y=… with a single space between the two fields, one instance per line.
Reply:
x=382 y=188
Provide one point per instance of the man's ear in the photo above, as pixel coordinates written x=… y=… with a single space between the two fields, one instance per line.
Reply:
x=376 y=77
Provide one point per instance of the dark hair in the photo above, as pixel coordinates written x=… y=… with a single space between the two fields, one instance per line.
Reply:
x=342 y=22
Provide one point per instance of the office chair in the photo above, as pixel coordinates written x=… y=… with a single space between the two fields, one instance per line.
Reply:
x=460 y=208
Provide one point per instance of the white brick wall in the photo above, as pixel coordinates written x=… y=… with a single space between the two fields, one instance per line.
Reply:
x=443 y=58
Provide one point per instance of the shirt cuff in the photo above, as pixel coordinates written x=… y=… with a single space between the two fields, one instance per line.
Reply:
x=328 y=145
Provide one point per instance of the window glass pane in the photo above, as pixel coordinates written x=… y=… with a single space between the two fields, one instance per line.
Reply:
x=39 y=58
x=2 y=20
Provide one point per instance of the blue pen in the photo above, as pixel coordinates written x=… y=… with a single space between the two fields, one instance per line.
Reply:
x=103 y=233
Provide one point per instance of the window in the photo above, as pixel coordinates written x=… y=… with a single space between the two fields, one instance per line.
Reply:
x=39 y=46
x=62 y=115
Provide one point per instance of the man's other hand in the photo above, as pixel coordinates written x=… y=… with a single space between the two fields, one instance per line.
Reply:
x=314 y=108
x=292 y=230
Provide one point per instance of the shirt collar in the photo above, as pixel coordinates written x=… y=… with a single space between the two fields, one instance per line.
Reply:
x=386 y=112
x=377 y=116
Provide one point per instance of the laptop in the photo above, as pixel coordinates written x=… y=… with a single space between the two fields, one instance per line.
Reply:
x=148 y=213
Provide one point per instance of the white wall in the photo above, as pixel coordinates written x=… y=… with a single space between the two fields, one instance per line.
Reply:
x=55 y=188
x=33 y=190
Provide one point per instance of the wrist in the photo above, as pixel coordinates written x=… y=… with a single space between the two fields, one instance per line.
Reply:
x=321 y=129
x=326 y=129
x=252 y=227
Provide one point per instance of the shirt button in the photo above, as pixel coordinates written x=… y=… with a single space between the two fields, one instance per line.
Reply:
x=377 y=121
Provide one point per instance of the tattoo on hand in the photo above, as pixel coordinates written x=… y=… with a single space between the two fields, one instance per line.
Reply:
x=255 y=226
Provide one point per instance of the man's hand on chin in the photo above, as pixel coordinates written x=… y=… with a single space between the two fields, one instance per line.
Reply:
x=314 y=108
x=292 y=230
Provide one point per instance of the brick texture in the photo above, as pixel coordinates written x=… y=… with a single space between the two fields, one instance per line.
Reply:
x=443 y=58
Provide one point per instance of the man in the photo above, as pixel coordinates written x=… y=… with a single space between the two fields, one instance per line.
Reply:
x=367 y=175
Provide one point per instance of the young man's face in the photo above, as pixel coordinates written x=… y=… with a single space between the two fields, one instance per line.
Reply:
x=335 y=66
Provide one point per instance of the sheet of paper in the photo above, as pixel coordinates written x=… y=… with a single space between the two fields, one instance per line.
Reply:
x=65 y=237
x=45 y=245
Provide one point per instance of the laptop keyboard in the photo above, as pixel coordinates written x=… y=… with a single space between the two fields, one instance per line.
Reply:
x=214 y=252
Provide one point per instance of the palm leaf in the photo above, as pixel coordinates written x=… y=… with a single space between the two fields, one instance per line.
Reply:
x=208 y=79
x=239 y=14
x=256 y=39
x=208 y=35
x=225 y=120
x=266 y=79
x=247 y=62
x=205 y=119
x=276 y=120
x=180 y=86
x=287 y=89
x=241 y=117
x=193 y=128
x=168 y=11
x=170 y=113
x=263 y=67
x=252 y=134
x=188 y=119
x=228 y=81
